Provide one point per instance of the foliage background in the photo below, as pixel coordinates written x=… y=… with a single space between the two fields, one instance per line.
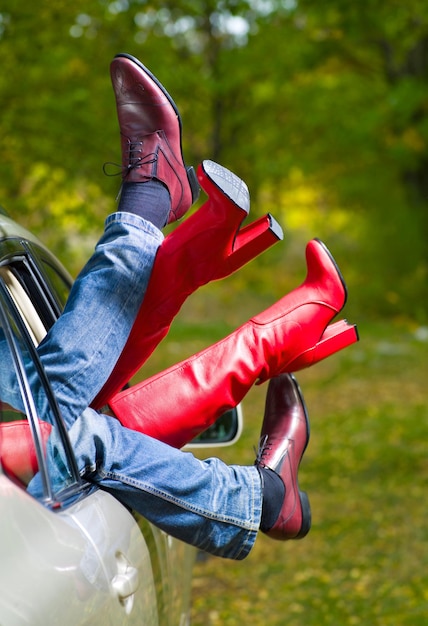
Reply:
x=323 y=109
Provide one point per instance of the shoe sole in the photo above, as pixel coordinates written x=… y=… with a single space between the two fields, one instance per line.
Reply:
x=228 y=183
x=306 y=515
x=303 y=496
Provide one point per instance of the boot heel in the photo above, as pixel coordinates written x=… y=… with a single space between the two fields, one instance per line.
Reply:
x=264 y=224
x=252 y=240
x=193 y=183
x=336 y=337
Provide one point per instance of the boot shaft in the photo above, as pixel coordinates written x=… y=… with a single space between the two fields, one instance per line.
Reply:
x=184 y=400
x=209 y=245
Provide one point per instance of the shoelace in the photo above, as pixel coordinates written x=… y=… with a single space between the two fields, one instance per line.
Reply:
x=135 y=160
x=264 y=446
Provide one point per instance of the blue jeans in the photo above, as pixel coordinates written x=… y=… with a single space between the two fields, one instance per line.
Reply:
x=205 y=503
x=100 y=311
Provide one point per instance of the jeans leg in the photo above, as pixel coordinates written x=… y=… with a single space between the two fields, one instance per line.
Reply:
x=208 y=504
x=82 y=347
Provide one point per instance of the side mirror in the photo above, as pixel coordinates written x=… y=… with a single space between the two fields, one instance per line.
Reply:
x=224 y=432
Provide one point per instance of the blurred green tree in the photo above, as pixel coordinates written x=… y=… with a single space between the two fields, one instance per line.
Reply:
x=321 y=108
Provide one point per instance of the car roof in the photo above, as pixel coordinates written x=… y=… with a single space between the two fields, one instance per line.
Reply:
x=15 y=239
x=9 y=229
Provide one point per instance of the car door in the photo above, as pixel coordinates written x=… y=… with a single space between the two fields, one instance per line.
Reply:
x=72 y=554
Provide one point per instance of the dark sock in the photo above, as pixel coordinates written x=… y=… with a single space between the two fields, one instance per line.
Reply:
x=149 y=200
x=273 y=497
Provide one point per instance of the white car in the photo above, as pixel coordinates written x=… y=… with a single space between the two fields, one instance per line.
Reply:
x=75 y=556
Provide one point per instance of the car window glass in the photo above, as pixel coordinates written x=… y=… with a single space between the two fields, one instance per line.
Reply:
x=33 y=448
x=33 y=283
x=25 y=306
x=61 y=285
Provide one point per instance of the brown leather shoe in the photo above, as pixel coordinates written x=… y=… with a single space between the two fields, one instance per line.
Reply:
x=150 y=128
x=283 y=440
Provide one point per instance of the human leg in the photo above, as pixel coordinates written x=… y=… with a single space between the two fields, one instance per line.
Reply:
x=213 y=506
x=195 y=392
x=83 y=346
x=208 y=245
x=208 y=504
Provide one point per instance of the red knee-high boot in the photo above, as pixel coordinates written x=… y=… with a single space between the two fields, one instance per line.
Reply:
x=179 y=403
x=208 y=245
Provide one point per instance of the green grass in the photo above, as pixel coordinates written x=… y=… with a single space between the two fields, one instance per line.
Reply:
x=365 y=560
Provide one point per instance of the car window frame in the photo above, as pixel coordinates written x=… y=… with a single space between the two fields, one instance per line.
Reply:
x=78 y=487
x=40 y=259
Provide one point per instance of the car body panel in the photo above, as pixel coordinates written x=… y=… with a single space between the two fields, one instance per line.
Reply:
x=60 y=567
